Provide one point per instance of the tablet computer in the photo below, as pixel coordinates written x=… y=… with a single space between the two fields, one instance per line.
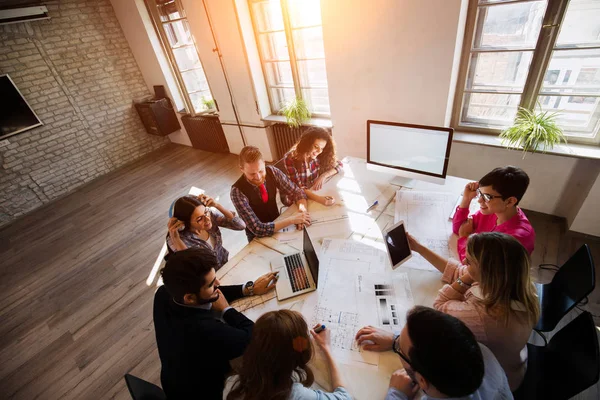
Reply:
x=397 y=246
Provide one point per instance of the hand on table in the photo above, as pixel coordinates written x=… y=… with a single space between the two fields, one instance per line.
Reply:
x=381 y=340
x=321 y=338
x=404 y=383
x=326 y=200
x=265 y=283
x=318 y=183
x=300 y=219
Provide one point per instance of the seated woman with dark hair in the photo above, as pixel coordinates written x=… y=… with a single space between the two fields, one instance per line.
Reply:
x=311 y=161
x=492 y=294
x=275 y=364
x=196 y=222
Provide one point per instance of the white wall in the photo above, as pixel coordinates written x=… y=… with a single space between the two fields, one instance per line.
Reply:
x=147 y=51
x=394 y=60
x=391 y=60
x=588 y=218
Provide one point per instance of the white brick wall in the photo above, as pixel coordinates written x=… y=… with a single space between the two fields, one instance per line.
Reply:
x=78 y=74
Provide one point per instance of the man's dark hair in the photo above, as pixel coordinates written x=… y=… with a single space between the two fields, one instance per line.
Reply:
x=444 y=351
x=509 y=181
x=186 y=270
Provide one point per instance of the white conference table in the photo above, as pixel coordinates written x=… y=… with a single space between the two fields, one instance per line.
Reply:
x=357 y=189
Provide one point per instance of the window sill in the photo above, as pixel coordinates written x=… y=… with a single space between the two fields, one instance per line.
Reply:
x=320 y=122
x=569 y=150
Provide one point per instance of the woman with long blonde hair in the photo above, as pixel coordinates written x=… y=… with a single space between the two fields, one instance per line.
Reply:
x=492 y=293
x=311 y=161
x=275 y=364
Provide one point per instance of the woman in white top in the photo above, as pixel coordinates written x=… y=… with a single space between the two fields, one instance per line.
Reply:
x=275 y=364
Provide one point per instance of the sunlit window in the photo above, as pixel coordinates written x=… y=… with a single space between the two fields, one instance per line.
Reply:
x=510 y=65
x=174 y=31
x=290 y=41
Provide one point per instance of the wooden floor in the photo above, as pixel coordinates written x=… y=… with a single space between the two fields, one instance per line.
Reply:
x=75 y=310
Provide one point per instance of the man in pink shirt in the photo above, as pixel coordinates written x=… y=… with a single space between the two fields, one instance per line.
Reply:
x=498 y=194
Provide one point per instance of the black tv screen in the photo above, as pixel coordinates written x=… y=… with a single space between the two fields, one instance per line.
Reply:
x=15 y=114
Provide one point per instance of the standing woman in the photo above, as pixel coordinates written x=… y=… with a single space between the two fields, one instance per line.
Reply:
x=311 y=161
x=196 y=222
x=275 y=364
x=492 y=294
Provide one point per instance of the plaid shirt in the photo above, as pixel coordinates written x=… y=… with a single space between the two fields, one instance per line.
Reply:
x=218 y=220
x=305 y=174
x=287 y=189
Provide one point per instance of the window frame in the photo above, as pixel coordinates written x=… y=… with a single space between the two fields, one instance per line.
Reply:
x=542 y=54
x=289 y=37
x=152 y=8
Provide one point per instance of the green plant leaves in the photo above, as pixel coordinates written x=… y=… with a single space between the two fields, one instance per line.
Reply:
x=296 y=112
x=533 y=131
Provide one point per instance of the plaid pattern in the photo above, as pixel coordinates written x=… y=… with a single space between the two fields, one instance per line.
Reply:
x=305 y=174
x=218 y=220
x=287 y=189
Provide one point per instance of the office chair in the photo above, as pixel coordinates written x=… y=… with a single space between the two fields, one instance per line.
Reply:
x=142 y=390
x=572 y=283
x=568 y=365
x=280 y=165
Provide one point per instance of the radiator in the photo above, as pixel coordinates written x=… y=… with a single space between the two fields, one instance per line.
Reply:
x=206 y=133
x=285 y=137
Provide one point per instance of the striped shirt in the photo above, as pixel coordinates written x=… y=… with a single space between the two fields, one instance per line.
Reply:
x=190 y=239
x=287 y=189
x=304 y=174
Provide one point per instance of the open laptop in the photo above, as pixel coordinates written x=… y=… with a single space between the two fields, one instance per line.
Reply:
x=298 y=272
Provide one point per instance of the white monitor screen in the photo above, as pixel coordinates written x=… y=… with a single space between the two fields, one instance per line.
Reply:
x=419 y=149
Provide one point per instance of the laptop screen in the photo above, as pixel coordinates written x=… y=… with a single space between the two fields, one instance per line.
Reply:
x=311 y=256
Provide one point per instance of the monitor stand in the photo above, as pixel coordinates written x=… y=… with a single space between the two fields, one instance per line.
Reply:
x=404 y=182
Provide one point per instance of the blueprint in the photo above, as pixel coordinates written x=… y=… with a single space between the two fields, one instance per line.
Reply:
x=356 y=289
x=425 y=215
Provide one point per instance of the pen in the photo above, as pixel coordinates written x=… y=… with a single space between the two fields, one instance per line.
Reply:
x=319 y=329
x=372 y=205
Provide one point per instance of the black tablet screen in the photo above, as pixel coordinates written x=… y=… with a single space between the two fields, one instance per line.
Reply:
x=397 y=244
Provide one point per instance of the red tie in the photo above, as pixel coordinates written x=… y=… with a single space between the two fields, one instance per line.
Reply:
x=263 y=193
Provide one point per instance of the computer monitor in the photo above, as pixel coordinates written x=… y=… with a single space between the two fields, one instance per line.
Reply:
x=409 y=151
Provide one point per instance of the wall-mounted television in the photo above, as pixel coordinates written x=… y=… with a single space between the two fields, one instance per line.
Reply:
x=16 y=115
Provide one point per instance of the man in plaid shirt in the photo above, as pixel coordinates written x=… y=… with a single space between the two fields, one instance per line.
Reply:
x=253 y=196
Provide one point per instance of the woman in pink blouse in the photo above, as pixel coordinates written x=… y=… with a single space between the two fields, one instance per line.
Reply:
x=311 y=161
x=498 y=193
x=492 y=294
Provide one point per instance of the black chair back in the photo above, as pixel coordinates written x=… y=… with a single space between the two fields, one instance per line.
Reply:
x=280 y=165
x=568 y=365
x=572 y=283
x=142 y=390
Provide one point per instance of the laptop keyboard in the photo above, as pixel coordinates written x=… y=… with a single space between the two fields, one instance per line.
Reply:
x=296 y=272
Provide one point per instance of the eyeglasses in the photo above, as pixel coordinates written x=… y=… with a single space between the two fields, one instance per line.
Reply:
x=486 y=196
x=206 y=216
x=396 y=349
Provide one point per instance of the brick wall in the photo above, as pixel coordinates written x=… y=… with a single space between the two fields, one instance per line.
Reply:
x=78 y=74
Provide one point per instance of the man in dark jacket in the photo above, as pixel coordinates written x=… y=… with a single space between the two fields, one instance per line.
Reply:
x=197 y=332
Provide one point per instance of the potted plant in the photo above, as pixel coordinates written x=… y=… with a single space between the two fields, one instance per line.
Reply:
x=296 y=112
x=533 y=131
x=208 y=103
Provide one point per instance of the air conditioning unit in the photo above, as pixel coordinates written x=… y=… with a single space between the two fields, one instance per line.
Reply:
x=23 y=14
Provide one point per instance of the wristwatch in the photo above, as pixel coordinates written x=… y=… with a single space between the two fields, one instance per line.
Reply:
x=250 y=286
x=394 y=347
x=462 y=284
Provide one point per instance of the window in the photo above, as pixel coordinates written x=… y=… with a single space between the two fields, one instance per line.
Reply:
x=531 y=53
x=174 y=32
x=290 y=43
